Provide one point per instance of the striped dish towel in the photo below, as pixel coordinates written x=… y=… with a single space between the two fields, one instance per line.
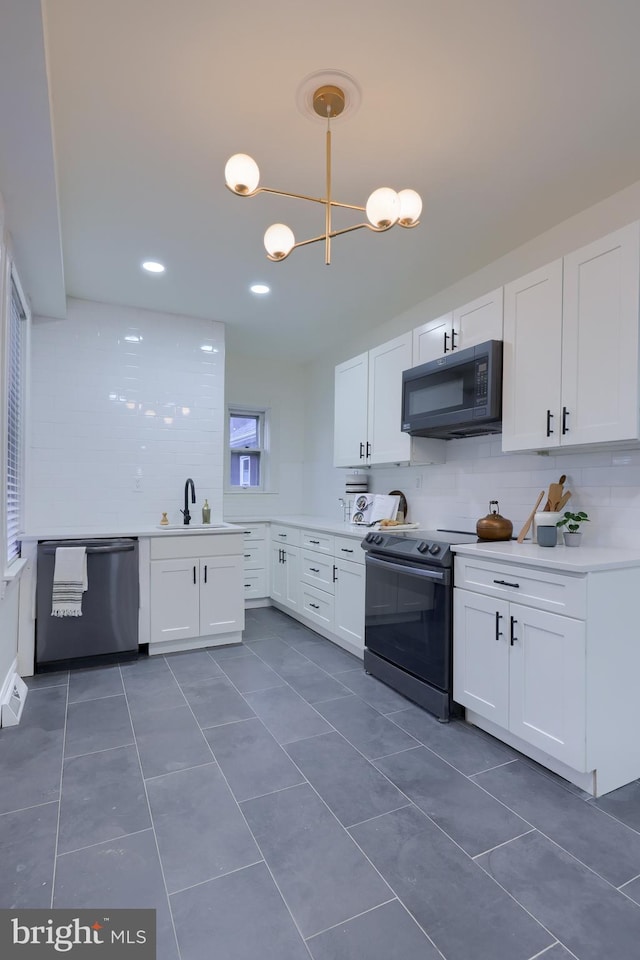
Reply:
x=69 y=581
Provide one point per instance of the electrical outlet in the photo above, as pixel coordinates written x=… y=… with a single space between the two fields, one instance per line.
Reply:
x=137 y=484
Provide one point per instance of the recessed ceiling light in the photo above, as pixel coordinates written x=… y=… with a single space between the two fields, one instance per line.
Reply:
x=208 y=348
x=260 y=288
x=133 y=338
x=152 y=266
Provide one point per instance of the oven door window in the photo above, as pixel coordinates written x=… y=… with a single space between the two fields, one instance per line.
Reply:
x=408 y=618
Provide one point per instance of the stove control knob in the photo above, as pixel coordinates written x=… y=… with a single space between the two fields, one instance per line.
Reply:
x=379 y=539
x=434 y=549
x=370 y=537
x=423 y=546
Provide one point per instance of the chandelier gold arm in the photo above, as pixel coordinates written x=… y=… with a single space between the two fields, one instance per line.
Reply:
x=296 y=196
x=334 y=233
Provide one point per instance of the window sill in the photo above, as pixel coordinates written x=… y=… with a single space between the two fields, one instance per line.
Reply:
x=13 y=571
x=245 y=491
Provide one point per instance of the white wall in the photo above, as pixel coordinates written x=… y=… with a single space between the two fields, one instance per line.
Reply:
x=457 y=493
x=105 y=410
x=279 y=387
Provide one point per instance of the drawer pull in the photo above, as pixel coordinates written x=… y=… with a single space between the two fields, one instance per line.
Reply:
x=205 y=573
x=498 y=630
x=247 y=532
x=317 y=542
x=194 y=574
x=346 y=550
x=282 y=535
x=247 y=584
x=513 y=623
x=335 y=570
x=505 y=583
x=247 y=556
x=315 y=606
x=314 y=569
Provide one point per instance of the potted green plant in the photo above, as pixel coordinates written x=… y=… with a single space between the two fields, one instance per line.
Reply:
x=572 y=521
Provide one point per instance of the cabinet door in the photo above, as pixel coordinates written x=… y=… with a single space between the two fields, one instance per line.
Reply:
x=386 y=363
x=478 y=321
x=278 y=586
x=292 y=577
x=481 y=654
x=221 y=595
x=349 y=602
x=532 y=360
x=547 y=685
x=174 y=599
x=600 y=339
x=350 y=412
x=432 y=339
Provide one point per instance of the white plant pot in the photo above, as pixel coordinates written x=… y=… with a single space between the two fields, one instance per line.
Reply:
x=572 y=539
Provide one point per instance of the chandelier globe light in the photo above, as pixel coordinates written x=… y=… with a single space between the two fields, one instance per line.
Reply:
x=384 y=209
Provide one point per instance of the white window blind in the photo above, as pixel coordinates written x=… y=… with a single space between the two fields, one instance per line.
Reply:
x=16 y=340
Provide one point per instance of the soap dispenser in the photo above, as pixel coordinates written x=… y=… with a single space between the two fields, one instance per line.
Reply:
x=206 y=512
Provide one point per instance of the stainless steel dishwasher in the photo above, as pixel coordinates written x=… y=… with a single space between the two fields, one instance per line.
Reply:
x=108 y=628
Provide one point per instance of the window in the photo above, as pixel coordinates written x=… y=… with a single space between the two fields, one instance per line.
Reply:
x=247 y=449
x=16 y=358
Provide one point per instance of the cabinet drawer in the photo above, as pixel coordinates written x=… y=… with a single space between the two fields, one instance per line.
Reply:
x=255 y=554
x=318 y=570
x=348 y=548
x=254 y=531
x=317 y=605
x=285 y=535
x=322 y=542
x=255 y=584
x=196 y=545
x=555 y=592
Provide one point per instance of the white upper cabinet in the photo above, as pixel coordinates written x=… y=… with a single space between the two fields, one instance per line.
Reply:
x=571 y=348
x=350 y=413
x=388 y=444
x=368 y=410
x=532 y=360
x=432 y=340
x=600 y=339
x=466 y=326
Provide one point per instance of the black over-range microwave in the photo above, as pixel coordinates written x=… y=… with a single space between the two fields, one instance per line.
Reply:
x=458 y=395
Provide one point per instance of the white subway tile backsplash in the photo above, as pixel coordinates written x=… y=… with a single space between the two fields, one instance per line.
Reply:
x=104 y=410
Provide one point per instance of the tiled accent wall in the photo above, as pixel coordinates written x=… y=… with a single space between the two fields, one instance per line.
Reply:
x=455 y=494
x=120 y=398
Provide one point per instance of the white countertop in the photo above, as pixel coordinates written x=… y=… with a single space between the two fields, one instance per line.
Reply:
x=582 y=559
x=112 y=532
x=324 y=524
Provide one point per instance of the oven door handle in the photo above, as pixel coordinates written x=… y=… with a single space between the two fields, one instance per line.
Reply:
x=439 y=575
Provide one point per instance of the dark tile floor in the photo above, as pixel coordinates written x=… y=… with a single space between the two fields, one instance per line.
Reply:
x=273 y=801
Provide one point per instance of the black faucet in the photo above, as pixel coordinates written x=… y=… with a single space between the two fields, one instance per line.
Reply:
x=185 y=512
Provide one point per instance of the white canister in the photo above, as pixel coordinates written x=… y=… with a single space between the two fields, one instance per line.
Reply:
x=547 y=518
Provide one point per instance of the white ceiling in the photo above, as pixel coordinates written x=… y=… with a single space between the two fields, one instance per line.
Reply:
x=506 y=115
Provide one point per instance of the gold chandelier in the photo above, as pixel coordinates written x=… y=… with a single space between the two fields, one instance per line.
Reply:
x=384 y=208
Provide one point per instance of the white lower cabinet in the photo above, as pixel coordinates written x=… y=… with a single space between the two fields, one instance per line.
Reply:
x=548 y=662
x=195 y=597
x=348 y=608
x=320 y=579
x=523 y=669
x=285 y=575
x=256 y=566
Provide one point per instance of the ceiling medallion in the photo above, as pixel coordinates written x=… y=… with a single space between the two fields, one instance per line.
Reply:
x=384 y=208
